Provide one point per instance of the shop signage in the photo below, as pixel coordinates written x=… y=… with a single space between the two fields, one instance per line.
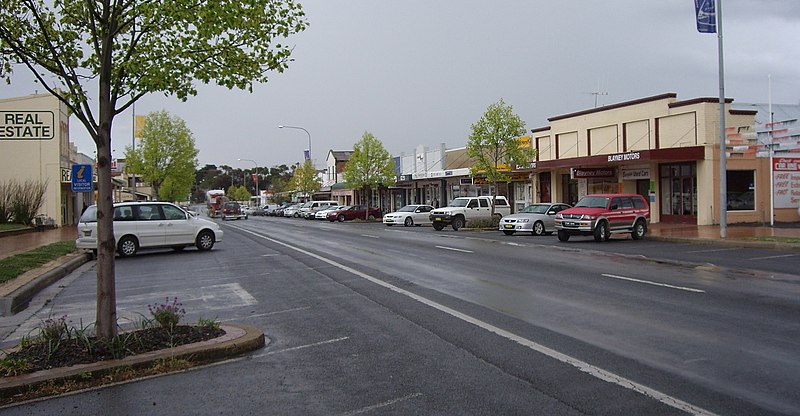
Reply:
x=786 y=171
x=624 y=157
x=633 y=174
x=27 y=125
x=593 y=173
x=404 y=178
x=81 y=178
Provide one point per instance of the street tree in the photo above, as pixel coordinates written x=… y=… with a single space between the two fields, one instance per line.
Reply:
x=306 y=179
x=128 y=49
x=496 y=144
x=166 y=157
x=238 y=193
x=369 y=166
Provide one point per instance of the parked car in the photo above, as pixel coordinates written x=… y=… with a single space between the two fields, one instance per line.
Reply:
x=233 y=210
x=464 y=209
x=352 y=212
x=139 y=225
x=537 y=219
x=601 y=215
x=409 y=215
x=323 y=213
x=310 y=208
x=291 y=210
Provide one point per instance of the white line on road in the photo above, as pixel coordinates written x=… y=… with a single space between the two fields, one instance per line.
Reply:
x=379 y=405
x=259 y=315
x=300 y=347
x=630 y=279
x=566 y=359
x=713 y=251
x=369 y=236
x=773 y=257
x=454 y=249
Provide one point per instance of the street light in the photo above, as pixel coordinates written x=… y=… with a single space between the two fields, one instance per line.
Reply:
x=256 y=170
x=300 y=128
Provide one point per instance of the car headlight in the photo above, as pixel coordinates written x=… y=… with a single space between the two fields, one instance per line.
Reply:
x=524 y=220
x=588 y=217
x=559 y=216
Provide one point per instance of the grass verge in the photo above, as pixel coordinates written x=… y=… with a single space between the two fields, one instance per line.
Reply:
x=789 y=240
x=12 y=227
x=13 y=266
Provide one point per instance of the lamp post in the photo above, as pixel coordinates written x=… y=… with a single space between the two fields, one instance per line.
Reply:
x=300 y=128
x=258 y=195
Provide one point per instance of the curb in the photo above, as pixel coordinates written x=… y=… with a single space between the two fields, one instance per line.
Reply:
x=768 y=245
x=20 y=297
x=238 y=339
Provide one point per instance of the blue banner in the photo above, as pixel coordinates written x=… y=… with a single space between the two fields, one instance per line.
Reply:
x=706 y=16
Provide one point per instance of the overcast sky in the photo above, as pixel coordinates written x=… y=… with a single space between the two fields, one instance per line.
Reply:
x=420 y=72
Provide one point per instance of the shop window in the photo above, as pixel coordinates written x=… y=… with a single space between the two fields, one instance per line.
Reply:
x=741 y=190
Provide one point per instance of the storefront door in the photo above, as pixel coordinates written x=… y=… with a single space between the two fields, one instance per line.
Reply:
x=678 y=193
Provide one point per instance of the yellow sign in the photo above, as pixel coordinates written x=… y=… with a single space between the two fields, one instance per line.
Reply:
x=524 y=141
x=139 y=126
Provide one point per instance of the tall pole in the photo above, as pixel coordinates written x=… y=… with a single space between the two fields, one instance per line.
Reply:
x=723 y=168
x=300 y=128
x=771 y=163
x=133 y=149
x=256 y=180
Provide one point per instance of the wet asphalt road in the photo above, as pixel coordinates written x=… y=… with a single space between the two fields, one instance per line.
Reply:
x=366 y=319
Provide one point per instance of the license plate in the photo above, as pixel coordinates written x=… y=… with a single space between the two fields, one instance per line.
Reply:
x=508 y=225
x=437 y=219
x=570 y=224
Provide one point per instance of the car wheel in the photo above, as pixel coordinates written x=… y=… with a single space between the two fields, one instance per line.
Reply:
x=563 y=236
x=127 y=246
x=223 y=218
x=204 y=240
x=458 y=222
x=438 y=226
x=508 y=232
x=601 y=231
x=639 y=230
x=341 y=218
x=538 y=228
x=408 y=222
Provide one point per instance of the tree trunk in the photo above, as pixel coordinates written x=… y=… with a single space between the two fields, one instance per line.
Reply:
x=366 y=201
x=106 y=323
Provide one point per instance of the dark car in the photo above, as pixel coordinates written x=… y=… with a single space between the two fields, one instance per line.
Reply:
x=353 y=212
x=232 y=210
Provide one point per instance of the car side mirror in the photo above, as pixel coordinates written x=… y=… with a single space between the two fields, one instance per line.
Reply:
x=551 y=212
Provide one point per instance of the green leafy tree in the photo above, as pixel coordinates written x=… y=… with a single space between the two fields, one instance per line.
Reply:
x=306 y=179
x=166 y=158
x=495 y=141
x=369 y=166
x=238 y=193
x=129 y=49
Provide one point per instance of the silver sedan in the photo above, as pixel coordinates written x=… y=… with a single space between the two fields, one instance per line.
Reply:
x=409 y=215
x=536 y=219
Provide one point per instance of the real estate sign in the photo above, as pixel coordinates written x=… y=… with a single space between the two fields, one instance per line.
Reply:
x=786 y=171
x=27 y=125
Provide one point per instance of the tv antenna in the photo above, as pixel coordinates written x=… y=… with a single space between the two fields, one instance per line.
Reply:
x=597 y=92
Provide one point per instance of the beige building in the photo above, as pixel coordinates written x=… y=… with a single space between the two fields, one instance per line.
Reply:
x=34 y=145
x=660 y=147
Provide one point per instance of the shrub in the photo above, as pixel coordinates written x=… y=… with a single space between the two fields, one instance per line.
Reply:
x=167 y=314
x=27 y=200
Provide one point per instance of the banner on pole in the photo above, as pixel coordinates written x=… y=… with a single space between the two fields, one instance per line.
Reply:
x=706 y=16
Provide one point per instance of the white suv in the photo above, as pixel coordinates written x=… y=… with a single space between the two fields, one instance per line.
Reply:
x=149 y=225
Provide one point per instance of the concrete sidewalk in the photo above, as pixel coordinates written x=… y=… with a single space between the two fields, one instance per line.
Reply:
x=20 y=243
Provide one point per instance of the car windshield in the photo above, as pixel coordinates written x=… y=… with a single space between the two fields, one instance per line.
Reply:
x=536 y=209
x=90 y=215
x=408 y=208
x=458 y=202
x=593 y=202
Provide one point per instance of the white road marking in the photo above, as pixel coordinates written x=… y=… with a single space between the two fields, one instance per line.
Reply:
x=259 y=315
x=379 y=405
x=630 y=279
x=773 y=257
x=270 y=255
x=300 y=347
x=566 y=359
x=454 y=249
x=369 y=236
x=713 y=250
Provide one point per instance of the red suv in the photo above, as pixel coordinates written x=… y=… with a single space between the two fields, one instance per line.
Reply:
x=601 y=215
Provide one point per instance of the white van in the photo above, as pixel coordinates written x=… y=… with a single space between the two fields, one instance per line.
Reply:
x=310 y=208
x=149 y=224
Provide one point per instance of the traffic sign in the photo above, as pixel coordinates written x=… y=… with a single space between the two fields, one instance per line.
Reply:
x=81 y=178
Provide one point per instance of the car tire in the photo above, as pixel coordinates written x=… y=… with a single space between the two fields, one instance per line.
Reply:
x=601 y=231
x=508 y=232
x=538 y=228
x=340 y=218
x=204 y=240
x=408 y=222
x=563 y=236
x=639 y=230
x=438 y=226
x=127 y=246
x=458 y=222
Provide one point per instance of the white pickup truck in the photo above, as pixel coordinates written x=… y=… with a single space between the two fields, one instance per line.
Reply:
x=465 y=209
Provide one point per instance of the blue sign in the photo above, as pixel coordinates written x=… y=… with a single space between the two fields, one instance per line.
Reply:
x=81 y=178
x=706 y=16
